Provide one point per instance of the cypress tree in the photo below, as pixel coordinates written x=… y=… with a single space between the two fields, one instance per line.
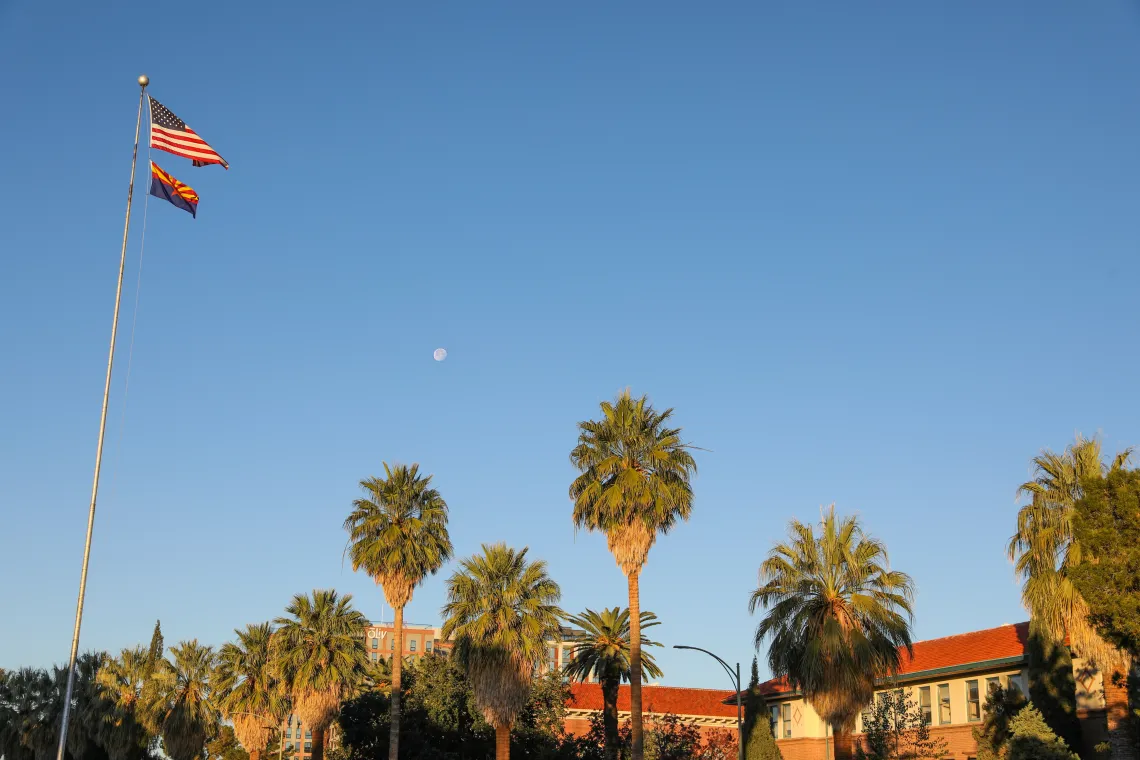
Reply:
x=759 y=743
x=157 y=649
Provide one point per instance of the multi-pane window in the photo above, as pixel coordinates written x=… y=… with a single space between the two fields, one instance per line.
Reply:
x=427 y=645
x=308 y=746
x=412 y=645
x=289 y=745
x=973 y=701
x=943 y=703
x=774 y=721
x=375 y=643
x=1012 y=683
x=392 y=643
x=375 y=656
x=924 y=703
x=289 y=733
x=786 y=719
x=993 y=683
x=309 y=734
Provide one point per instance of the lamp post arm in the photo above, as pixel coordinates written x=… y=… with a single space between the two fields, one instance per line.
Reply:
x=727 y=669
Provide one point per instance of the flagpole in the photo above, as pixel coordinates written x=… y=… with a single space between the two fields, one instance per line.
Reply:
x=143 y=82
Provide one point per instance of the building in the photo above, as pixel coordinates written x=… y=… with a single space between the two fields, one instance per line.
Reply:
x=419 y=639
x=948 y=677
x=707 y=709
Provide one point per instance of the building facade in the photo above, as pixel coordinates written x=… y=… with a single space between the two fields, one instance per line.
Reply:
x=707 y=709
x=949 y=679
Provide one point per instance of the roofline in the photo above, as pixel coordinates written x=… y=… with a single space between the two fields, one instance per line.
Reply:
x=921 y=675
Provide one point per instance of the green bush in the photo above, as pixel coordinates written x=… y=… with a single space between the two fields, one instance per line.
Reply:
x=1032 y=739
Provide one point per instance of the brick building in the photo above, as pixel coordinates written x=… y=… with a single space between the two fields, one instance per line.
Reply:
x=948 y=677
x=707 y=709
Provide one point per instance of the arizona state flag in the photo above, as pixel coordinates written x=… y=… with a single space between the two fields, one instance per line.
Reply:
x=162 y=185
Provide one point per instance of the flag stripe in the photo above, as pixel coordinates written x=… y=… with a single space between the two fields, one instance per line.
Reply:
x=183 y=150
x=188 y=137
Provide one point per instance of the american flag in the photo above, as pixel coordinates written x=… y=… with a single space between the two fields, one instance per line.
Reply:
x=169 y=133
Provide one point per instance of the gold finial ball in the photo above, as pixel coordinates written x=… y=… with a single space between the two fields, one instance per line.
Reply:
x=144 y=80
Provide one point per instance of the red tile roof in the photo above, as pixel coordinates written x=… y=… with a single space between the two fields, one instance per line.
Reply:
x=657 y=699
x=950 y=651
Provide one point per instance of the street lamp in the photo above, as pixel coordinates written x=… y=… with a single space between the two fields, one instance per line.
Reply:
x=735 y=676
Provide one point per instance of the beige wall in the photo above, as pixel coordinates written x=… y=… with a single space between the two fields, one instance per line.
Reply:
x=806 y=723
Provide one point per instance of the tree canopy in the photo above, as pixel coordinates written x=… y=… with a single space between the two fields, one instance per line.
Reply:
x=1106 y=527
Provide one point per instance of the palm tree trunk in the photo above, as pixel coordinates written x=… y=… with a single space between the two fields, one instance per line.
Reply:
x=502 y=743
x=255 y=755
x=638 y=749
x=397 y=671
x=610 y=716
x=281 y=752
x=318 y=744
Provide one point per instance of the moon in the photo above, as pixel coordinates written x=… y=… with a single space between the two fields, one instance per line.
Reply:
x=439 y=354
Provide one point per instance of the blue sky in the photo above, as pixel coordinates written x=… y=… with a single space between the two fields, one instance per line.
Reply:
x=878 y=254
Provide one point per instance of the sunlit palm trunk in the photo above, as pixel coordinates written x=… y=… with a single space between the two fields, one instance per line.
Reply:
x=255 y=755
x=841 y=741
x=610 y=688
x=502 y=743
x=634 y=667
x=397 y=670
x=318 y=744
x=281 y=751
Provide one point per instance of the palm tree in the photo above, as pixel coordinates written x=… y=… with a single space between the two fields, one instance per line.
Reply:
x=250 y=695
x=1043 y=549
x=501 y=611
x=184 y=699
x=634 y=485
x=601 y=650
x=124 y=681
x=837 y=615
x=398 y=535
x=319 y=654
x=18 y=708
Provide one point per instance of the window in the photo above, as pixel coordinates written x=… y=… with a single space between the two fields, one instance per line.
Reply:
x=375 y=643
x=392 y=643
x=427 y=645
x=289 y=733
x=550 y=655
x=1012 y=684
x=412 y=645
x=375 y=657
x=973 y=702
x=924 y=703
x=289 y=746
x=308 y=746
x=309 y=734
x=993 y=683
x=786 y=715
x=943 y=703
x=774 y=721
